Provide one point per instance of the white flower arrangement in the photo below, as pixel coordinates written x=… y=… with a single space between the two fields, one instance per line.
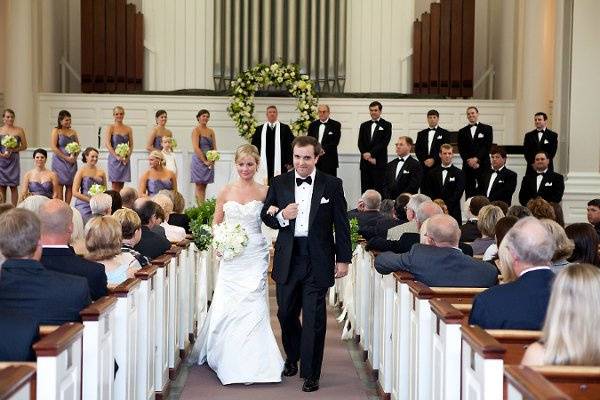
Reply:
x=122 y=150
x=10 y=142
x=96 y=189
x=73 y=148
x=213 y=155
x=229 y=240
x=243 y=87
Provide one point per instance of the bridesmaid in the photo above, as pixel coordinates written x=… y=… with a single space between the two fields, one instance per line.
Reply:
x=203 y=140
x=119 y=168
x=157 y=177
x=158 y=132
x=63 y=163
x=40 y=180
x=10 y=168
x=88 y=175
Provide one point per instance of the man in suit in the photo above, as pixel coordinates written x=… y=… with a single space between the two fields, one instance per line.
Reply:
x=403 y=174
x=19 y=333
x=273 y=140
x=429 y=141
x=412 y=206
x=312 y=249
x=545 y=184
x=540 y=139
x=593 y=214
x=379 y=227
x=474 y=144
x=527 y=248
x=446 y=182
x=373 y=139
x=439 y=261
x=26 y=287
x=328 y=133
x=151 y=244
x=367 y=210
x=499 y=183
x=57 y=255
x=469 y=230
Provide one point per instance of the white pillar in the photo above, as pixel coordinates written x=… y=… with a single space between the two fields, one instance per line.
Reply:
x=51 y=40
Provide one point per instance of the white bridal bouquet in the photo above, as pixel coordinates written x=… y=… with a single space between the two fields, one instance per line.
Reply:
x=213 y=155
x=73 y=148
x=95 y=189
x=229 y=240
x=122 y=150
x=10 y=142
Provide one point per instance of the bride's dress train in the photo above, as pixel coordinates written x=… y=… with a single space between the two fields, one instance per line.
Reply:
x=236 y=339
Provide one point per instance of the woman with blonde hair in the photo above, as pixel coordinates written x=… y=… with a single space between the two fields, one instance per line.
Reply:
x=487 y=219
x=564 y=245
x=570 y=333
x=173 y=233
x=119 y=167
x=157 y=177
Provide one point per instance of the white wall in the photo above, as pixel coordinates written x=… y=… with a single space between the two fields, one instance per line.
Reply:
x=2 y=39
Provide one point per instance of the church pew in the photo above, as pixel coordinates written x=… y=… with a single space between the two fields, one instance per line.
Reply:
x=364 y=261
x=146 y=315
x=189 y=257
x=173 y=344
x=400 y=336
x=161 y=326
x=578 y=382
x=17 y=382
x=386 y=292
x=374 y=318
x=98 y=356
x=523 y=383
x=184 y=297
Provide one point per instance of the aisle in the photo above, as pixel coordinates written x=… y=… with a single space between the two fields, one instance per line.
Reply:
x=340 y=378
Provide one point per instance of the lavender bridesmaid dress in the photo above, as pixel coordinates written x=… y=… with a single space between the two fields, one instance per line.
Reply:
x=117 y=172
x=156 y=185
x=157 y=143
x=10 y=168
x=84 y=206
x=201 y=173
x=64 y=169
x=41 y=188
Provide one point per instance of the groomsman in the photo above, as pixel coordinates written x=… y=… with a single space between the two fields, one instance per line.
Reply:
x=540 y=139
x=544 y=183
x=373 y=139
x=446 y=182
x=499 y=183
x=327 y=132
x=429 y=141
x=474 y=143
x=273 y=140
x=404 y=174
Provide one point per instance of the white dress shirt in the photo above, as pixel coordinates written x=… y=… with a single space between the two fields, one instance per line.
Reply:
x=430 y=137
x=473 y=130
x=303 y=196
x=445 y=173
x=401 y=160
x=539 y=179
x=540 y=134
x=492 y=179
x=322 y=129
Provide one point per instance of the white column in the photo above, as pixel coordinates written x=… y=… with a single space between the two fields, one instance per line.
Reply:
x=50 y=44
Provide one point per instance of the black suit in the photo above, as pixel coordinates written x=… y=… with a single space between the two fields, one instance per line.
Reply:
x=422 y=152
x=469 y=231
x=47 y=297
x=328 y=162
x=376 y=144
x=451 y=191
x=405 y=243
x=285 y=141
x=66 y=261
x=303 y=268
x=551 y=188
x=408 y=179
x=152 y=244
x=521 y=304
x=439 y=266
x=531 y=145
x=478 y=146
x=365 y=218
x=379 y=227
x=19 y=332
x=503 y=187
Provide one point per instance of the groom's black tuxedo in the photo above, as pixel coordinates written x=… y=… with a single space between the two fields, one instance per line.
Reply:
x=303 y=267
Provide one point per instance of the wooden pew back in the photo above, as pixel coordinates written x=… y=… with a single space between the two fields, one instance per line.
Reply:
x=17 y=382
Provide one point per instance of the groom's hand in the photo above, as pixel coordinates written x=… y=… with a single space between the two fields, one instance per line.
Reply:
x=341 y=270
x=290 y=211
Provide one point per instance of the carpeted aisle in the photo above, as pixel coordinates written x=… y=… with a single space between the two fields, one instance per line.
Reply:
x=339 y=380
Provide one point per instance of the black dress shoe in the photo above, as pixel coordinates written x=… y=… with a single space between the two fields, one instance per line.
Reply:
x=290 y=368
x=310 y=385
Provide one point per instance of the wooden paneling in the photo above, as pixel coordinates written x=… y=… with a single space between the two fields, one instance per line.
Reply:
x=425 y=48
x=130 y=40
x=434 y=49
x=111 y=46
x=99 y=46
x=139 y=51
x=445 y=16
x=121 y=46
x=87 y=45
x=468 y=46
x=455 y=48
x=417 y=57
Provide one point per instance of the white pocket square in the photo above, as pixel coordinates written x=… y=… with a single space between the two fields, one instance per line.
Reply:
x=330 y=133
x=500 y=181
x=480 y=135
x=324 y=200
x=405 y=172
x=548 y=184
x=439 y=137
x=545 y=141
x=380 y=128
x=451 y=179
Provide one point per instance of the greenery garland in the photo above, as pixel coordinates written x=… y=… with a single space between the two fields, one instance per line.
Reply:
x=245 y=85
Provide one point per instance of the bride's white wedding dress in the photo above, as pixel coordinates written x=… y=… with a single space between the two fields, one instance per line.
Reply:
x=236 y=339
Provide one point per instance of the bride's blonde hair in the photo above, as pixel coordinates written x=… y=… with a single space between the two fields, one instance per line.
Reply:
x=247 y=150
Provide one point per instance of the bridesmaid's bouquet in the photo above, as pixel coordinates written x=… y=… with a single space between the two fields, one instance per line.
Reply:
x=73 y=148
x=229 y=240
x=122 y=150
x=10 y=142
x=173 y=143
x=96 y=189
x=213 y=155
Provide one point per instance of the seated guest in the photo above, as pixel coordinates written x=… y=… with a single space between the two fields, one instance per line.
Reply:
x=4 y=207
x=487 y=219
x=33 y=203
x=404 y=173
x=518 y=211
x=559 y=216
x=178 y=216
x=570 y=334
x=502 y=261
x=586 y=243
x=19 y=333
x=128 y=196
x=499 y=203
x=527 y=249
x=442 y=205
x=439 y=262
x=564 y=245
x=117 y=202
x=101 y=204
x=174 y=233
x=400 y=207
x=469 y=230
x=544 y=183
x=386 y=209
x=26 y=287
x=411 y=212
x=131 y=229
x=151 y=244
x=380 y=227
x=57 y=225
x=502 y=227
x=103 y=241
x=77 y=241
x=541 y=209
x=593 y=214
x=367 y=210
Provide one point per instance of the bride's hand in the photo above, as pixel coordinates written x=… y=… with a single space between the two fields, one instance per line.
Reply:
x=272 y=211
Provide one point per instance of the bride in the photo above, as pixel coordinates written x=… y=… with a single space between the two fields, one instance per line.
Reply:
x=236 y=339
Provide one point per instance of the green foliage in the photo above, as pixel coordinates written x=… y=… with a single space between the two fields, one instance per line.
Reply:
x=200 y=221
x=202 y=234
x=354 y=235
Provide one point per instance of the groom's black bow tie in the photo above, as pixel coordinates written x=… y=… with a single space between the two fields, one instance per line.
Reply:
x=300 y=181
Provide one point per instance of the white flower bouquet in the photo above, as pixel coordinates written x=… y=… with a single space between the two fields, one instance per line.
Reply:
x=122 y=150
x=10 y=142
x=73 y=148
x=229 y=240
x=96 y=189
x=213 y=155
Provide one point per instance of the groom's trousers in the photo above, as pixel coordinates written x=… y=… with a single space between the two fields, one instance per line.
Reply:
x=304 y=341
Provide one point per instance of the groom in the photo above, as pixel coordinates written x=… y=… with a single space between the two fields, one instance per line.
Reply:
x=312 y=248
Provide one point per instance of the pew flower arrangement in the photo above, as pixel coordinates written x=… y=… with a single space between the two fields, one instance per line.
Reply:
x=10 y=142
x=122 y=150
x=96 y=189
x=73 y=148
x=229 y=240
x=202 y=234
x=200 y=221
x=213 y=155
x=354 y=235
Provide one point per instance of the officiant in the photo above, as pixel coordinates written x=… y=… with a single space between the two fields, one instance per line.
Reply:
x=274 y=141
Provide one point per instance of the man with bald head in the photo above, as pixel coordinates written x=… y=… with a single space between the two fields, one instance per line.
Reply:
x=367 y=211
x=57 y=226
x=328 y=132
x=439 y=261
x=528 y=249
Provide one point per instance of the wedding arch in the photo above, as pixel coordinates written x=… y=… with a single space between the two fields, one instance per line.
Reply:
x=245 y=85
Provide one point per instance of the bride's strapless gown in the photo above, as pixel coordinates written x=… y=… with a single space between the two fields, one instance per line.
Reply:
x=236 y=339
